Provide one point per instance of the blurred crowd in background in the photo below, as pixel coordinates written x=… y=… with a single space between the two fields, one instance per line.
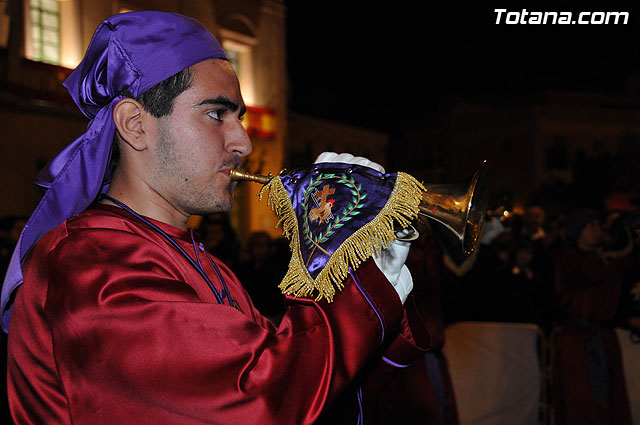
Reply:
x=528 y=262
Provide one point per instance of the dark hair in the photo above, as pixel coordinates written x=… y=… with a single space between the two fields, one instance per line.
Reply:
x=158 y=101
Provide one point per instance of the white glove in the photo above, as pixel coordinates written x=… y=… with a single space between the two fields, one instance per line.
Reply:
x=347 y=158
x=391 y=260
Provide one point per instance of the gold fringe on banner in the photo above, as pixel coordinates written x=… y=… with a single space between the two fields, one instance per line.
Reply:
x=402 y=206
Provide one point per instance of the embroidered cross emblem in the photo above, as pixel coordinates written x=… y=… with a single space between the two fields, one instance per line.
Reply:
x=326 y=209
x=322 y=212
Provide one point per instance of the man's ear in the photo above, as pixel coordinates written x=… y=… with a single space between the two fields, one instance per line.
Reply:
x=129 y=118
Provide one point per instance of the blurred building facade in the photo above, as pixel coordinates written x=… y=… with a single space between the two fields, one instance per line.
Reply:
x=41 y=41
x=554 y=147
x=310 y=136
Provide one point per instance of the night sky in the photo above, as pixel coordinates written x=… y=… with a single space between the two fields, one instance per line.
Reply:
x=380 y=67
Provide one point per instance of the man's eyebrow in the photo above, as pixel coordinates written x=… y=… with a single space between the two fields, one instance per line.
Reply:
x=224 y=101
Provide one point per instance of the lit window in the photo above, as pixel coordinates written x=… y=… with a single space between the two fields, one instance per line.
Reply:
x=234 y=59
x=239 y=55
x=45 y=31
x=4 y=23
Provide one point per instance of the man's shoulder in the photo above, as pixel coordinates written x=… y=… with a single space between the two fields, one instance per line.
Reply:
x=104 y=236
x=102 y=217
x=96 y=223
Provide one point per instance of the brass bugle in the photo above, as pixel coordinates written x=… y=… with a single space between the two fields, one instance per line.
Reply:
x=241 y=175
x=460 y=207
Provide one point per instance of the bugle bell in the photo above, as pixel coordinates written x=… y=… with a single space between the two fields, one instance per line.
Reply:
x=461 y=207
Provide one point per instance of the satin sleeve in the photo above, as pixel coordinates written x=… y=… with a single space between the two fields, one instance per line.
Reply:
x=135 y=343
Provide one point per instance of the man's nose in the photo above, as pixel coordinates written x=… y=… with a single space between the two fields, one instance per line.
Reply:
x=238 y=141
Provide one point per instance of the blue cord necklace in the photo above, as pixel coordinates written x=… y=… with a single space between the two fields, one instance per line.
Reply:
x=224 y=292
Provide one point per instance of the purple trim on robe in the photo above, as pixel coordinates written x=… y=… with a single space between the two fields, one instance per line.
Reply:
x=394 y=364
x=360 y=410
x=370 y=301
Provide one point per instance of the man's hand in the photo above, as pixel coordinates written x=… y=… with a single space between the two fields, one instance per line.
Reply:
x=347 y=158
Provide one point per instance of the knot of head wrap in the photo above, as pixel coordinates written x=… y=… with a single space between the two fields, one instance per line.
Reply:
x=130 y=51
x=94 y=90
x=104 y=73
x=102 y=78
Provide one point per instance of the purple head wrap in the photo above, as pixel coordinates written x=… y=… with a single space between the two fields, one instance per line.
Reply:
x=130 y=51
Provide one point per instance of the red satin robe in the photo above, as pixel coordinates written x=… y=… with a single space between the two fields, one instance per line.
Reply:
x=588 y=291
x=113 y=326
x=413 y=397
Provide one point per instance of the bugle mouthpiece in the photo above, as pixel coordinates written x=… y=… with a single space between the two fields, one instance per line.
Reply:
x=240 y=175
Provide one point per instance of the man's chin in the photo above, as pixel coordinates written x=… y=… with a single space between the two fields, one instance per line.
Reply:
x=223 y=206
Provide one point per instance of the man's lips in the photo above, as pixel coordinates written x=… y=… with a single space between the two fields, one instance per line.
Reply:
x=228 y=166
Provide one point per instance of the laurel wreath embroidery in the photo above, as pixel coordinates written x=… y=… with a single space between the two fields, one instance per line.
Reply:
x=352 y=209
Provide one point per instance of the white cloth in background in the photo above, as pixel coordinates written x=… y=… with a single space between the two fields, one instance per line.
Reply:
x=495 y=371
x=631 y=369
